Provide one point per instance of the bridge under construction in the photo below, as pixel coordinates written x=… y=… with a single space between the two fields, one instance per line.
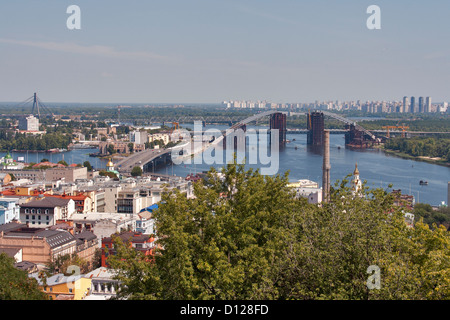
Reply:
x=355 y=136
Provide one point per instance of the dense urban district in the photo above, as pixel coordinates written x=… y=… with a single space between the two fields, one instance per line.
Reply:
x=71 y=231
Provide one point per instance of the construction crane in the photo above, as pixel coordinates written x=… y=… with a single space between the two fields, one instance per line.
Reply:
x=175 y=126
x=403 y=128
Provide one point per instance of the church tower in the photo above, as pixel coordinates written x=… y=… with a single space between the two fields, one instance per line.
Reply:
x=110 y=166
x=356 y=182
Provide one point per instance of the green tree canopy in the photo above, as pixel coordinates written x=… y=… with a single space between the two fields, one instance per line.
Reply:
x=136 y=171
x=15 y=284
x=247 y=236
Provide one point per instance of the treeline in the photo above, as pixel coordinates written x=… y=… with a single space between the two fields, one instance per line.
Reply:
x=420 y=146
x=423 y=125
x=22 y=141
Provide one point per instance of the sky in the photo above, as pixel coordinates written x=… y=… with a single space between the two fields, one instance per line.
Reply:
x=208 y=51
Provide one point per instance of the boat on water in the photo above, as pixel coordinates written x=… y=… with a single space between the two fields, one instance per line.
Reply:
x=423 y=183
x=56 y=150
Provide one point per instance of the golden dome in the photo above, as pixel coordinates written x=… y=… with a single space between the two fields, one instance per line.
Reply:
x=110 y=163
x=356 y=172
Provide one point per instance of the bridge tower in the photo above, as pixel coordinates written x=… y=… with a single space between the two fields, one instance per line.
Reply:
x=278 y=121
x=315 y=126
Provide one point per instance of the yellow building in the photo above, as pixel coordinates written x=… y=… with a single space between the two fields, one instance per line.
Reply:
x=61 y=287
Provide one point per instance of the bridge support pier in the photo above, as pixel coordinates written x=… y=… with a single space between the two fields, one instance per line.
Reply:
x=316 y=127
x=278 y=121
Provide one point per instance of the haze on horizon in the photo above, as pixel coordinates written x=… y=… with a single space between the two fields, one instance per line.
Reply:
x=207 y=51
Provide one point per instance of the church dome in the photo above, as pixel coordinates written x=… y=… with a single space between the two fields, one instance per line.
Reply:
x=110 y=163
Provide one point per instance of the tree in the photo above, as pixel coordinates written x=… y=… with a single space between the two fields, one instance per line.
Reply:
x=64 y=163
x=136 y=171
x=88 y=165
x=111 y=149
x=247 y=236
x=15 y=284
x=131 y=147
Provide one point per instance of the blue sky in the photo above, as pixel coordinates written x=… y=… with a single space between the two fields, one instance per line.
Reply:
x=206 y=51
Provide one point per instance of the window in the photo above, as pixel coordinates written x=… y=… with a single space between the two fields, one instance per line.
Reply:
x=70 y=290
x=32 y=217
x=27 y=210
x=46 y=211
x=47 y=217
x=32 y=211
x=38 y=210
x=27 y=217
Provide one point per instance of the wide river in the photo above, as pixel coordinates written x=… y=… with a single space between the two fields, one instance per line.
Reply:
x=376 y=167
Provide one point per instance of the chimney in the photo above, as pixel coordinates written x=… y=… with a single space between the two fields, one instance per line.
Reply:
x=326 y=167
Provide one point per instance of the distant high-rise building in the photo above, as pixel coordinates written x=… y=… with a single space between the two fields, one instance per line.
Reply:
x=421 y=105
x=428 y=105
x=30 y=123
x=412 y=106
x=405 y=105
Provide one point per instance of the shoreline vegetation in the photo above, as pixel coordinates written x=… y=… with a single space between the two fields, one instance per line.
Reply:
x=433 y=150
x=397 y=153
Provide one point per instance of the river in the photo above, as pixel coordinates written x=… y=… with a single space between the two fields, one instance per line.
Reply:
x=378 y=168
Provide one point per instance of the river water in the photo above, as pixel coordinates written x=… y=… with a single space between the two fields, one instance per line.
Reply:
x=378 y=168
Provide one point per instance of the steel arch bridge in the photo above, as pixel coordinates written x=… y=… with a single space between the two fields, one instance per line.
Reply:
x=329 y=114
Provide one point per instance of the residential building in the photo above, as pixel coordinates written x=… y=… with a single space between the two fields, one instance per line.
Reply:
x=61 y=287
x=15 y=253
x=145 y=224
x=46 y=211
x=32 y=175
x=82 y=203
x=87 y=244
x=30 y=123
x=68 y=174
x=103 y=284
x=38 y=245
x=5 y=178
x=9 y=210
x=139 y=137
x=143 y=243
x=403 y=200
x=104 y=224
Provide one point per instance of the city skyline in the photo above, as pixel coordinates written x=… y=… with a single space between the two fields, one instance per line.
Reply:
x=211 y=51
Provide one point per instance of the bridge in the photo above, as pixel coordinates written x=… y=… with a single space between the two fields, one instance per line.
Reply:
x=315 y=126
x=149 y=159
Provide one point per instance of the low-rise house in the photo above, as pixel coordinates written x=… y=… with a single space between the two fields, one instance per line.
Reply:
x=68 y=174
x=83 y=203
x=61 y=287
x=87 y=244
x=9 y=210
x=104 y=224
x=103 y=284
x=38 y=245
x=46 y=211
x=145 y=224
x=15 y=253
x=141 y=242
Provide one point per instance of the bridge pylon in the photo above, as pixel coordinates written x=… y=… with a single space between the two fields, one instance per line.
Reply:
x=278 y=121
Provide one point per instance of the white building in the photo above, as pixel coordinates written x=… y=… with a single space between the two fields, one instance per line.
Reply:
x=139 y=137
x=30 y=123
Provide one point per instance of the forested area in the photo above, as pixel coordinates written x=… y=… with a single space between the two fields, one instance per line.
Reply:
x=246 y=236
x=421 y=146
x=22 y=141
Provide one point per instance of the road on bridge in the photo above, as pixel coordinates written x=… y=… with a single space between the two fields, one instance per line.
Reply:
x=139 y=159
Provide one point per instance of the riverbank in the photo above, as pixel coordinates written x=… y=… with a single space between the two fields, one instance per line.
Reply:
x=397 y=153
